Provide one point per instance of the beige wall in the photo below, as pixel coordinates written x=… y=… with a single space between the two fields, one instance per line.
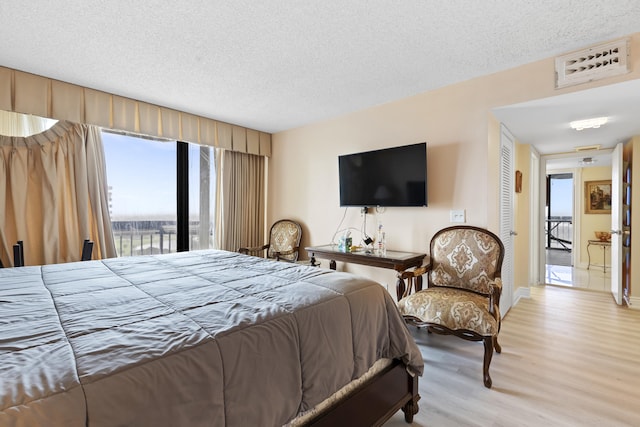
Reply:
x=522 y=218
x=463 y=146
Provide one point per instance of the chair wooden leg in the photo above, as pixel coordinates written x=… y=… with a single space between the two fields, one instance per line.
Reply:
x=488 y=354
x=87 y=248
x=496 y=345
x=400 y=287
x=18 y=254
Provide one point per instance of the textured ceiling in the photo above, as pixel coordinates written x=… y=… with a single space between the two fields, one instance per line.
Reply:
x=276 y=65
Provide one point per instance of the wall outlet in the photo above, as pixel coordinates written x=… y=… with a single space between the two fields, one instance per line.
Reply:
x=457 y=216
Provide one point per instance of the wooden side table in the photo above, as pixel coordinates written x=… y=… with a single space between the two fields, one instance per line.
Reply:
x=604 y=244
x=396 y=260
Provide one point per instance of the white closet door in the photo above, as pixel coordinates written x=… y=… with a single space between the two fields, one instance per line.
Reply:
x=507 y=232
x=616 y=224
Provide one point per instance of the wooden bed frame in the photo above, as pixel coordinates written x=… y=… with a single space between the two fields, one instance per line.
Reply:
x=375 y=401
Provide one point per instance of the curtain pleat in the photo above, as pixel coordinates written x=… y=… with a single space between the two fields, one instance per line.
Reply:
x=4 y=247
x=100 y=219
x=218 y=232
x=17 y=196
x=54 y=193
x=241 y=200
x=44 y=189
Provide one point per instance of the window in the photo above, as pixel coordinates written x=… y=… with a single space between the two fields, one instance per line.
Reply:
x=559 y=227
x=141 y=175
x=143 y=193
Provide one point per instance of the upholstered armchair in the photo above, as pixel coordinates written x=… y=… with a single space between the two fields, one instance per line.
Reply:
x=463 y=289
x=283 y=244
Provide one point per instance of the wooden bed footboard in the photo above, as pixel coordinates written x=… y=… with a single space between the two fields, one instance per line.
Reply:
x=375 y=401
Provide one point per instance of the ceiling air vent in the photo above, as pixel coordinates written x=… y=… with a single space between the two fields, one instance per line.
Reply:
x=593 y=63
x=587 y=147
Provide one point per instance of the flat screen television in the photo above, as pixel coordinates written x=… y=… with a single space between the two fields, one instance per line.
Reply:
x=389 y=177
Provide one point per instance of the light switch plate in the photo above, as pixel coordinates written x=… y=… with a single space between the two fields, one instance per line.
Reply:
x=457 y=216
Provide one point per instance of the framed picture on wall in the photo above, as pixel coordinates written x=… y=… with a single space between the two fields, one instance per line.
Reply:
x=597 y=197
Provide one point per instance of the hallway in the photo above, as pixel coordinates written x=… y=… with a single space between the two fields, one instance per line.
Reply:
x=559 y=272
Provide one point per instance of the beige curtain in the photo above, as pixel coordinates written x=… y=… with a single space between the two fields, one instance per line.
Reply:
x=241 y=200
x=54 y=195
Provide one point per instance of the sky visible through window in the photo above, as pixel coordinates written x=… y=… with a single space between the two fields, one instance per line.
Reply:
x=141 y=175
x=561 y=197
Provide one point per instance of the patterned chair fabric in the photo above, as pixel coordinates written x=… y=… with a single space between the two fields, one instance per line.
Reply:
x=463 y=288
x=283 y=244
x=284 y=240
x=465 y=258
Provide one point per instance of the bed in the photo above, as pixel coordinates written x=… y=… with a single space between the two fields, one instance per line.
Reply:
x=197 y=338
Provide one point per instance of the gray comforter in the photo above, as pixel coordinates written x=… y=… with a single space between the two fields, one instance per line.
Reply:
x=191 y=339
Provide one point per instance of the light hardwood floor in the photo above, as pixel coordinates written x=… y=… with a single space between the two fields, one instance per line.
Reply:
x=570 y=357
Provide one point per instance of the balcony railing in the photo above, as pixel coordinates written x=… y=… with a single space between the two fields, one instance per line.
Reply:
x=152 y=237
x=559 y=233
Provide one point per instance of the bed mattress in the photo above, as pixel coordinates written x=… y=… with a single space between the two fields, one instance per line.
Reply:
x=196 y=338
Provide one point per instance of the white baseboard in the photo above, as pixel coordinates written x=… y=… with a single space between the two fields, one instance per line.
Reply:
x=521 y=292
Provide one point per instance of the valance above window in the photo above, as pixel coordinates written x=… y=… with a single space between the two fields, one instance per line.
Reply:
x=31 y=94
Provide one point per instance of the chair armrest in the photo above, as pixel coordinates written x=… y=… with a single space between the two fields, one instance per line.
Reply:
x=246 y=251
x=413 y=278
x=278 y=254
x=418 y=271
x=289 y=252
x=497 y=284
x=495 y=287
x=495 y=291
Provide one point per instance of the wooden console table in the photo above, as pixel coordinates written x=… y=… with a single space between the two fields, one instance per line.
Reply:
x=604 y=244
x=395 y=260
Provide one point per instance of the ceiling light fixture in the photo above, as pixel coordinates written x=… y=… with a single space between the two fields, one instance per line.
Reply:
x=589 y=123
x=587 y=161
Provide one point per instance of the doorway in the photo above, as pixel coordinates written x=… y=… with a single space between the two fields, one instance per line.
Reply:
x=563 y=220
x=559 y=220
x=544 y=125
